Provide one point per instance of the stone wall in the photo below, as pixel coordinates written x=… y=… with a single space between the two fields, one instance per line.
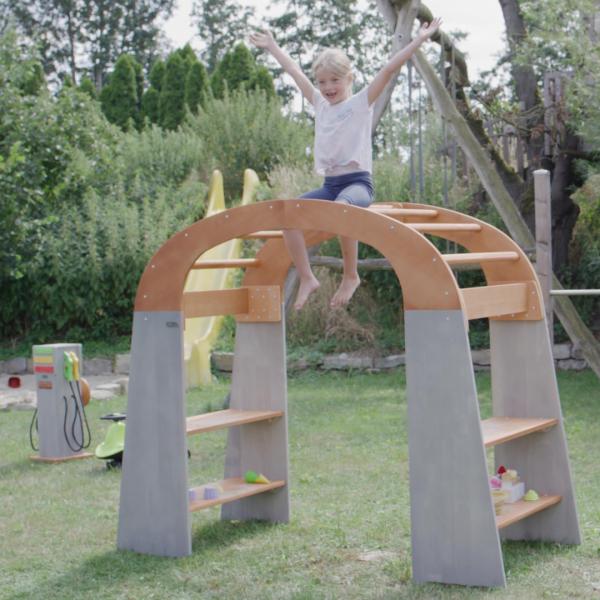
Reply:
x=566 y=357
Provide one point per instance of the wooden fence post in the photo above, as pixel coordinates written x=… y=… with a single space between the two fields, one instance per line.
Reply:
x=543 y=241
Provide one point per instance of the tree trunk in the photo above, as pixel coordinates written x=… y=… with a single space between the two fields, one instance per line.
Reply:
x=401 y=25
x=531 y=129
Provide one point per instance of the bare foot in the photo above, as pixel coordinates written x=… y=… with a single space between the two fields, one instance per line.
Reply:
x=345 y=291
x=307 y=287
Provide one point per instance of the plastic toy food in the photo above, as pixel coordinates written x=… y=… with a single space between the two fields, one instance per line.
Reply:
x=531 y=496
x=254 y=477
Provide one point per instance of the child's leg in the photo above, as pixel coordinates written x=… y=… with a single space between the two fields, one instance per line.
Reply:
x=357 y=195
x=350 y=278
x=294 y=241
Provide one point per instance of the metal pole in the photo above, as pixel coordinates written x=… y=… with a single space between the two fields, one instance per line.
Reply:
x=421 y=176
x=410 y=132
x=543 y=241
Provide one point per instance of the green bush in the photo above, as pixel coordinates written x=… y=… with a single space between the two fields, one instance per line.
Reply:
x=248 y=130
x=83 y=207
x=584 y=258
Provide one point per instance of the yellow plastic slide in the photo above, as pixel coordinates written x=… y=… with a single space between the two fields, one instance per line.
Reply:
x=201 y=332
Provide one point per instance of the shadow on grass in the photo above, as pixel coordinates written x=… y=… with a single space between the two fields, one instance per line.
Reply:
x=220 y=534
x=18 y=467
x=115 y=570
x=521 y=556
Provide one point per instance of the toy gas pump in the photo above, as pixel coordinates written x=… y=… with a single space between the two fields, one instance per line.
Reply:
x=59 y=420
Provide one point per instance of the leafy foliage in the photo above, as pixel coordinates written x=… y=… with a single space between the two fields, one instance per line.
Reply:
x=83 y=206
x=87 y=36
x=246 y=129
x=220 y=25
x=238 y=70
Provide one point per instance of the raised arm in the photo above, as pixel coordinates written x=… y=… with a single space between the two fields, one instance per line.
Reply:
x=266 y=41
x=389 y=70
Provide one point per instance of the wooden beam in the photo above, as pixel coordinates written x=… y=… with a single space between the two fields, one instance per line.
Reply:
x=215 y=302
x=497 y=300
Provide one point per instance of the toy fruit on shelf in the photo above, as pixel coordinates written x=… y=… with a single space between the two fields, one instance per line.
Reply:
x=531 y=496
x=499 y=498
x=512 y=485
x=254 y=477
x=495 y=482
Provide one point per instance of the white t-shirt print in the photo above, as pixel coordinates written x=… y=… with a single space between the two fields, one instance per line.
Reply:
x=343 y=133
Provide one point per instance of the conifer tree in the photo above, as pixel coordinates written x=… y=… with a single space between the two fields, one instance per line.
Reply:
x=87 y=87
x=119 y=97
x=150 y=102
x=196 y=86
x=157 y=74
x=262 y=80
x=171 y=104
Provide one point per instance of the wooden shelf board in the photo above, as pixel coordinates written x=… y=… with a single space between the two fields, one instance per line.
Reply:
x=232 y=489
x=59 y=459
x=498 y=430
x=515 y=511
x=228 y=418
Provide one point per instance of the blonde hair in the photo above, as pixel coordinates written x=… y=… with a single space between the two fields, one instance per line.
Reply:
x=335 y=60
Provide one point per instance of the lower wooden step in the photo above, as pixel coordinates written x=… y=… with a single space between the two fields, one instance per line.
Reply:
x=230 y=490
x=499 y=430
x=220 y=419
x=515 y=511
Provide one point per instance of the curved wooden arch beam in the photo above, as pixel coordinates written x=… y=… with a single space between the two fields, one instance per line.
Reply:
x=491 y=239
x=427 y=281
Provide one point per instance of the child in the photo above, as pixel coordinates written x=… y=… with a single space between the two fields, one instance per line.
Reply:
x=342 y=149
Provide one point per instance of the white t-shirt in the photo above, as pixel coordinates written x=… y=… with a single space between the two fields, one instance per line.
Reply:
x=343 y=133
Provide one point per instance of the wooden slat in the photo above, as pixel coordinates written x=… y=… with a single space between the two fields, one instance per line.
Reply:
x=469 y=258
x=404 y=212
x=232 y=489
x=216 y=302
x=515 y=511
x=233 y=263
x=58 y=459
x=499 y=430
x=495 y=300
x=228 y=418
x=263 y=235
x=441 y=227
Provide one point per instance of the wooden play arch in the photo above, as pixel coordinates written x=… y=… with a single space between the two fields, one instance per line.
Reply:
x=455 y=532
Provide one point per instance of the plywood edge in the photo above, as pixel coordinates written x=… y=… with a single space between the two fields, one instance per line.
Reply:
x=498 y=430
x=516 y=511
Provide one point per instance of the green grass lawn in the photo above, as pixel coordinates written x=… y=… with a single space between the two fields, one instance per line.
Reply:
x=349 y=534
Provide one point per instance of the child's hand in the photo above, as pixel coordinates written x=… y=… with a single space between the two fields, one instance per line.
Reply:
x=263 y=39
x=428 y=29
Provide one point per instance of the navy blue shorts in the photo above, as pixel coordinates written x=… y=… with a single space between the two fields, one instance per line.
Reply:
x=353 y=188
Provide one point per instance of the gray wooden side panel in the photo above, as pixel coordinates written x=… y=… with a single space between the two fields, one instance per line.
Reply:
x=153 y=514
x=454 y=534
x=52 y=433
x=259 y=381
x=524 y=385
